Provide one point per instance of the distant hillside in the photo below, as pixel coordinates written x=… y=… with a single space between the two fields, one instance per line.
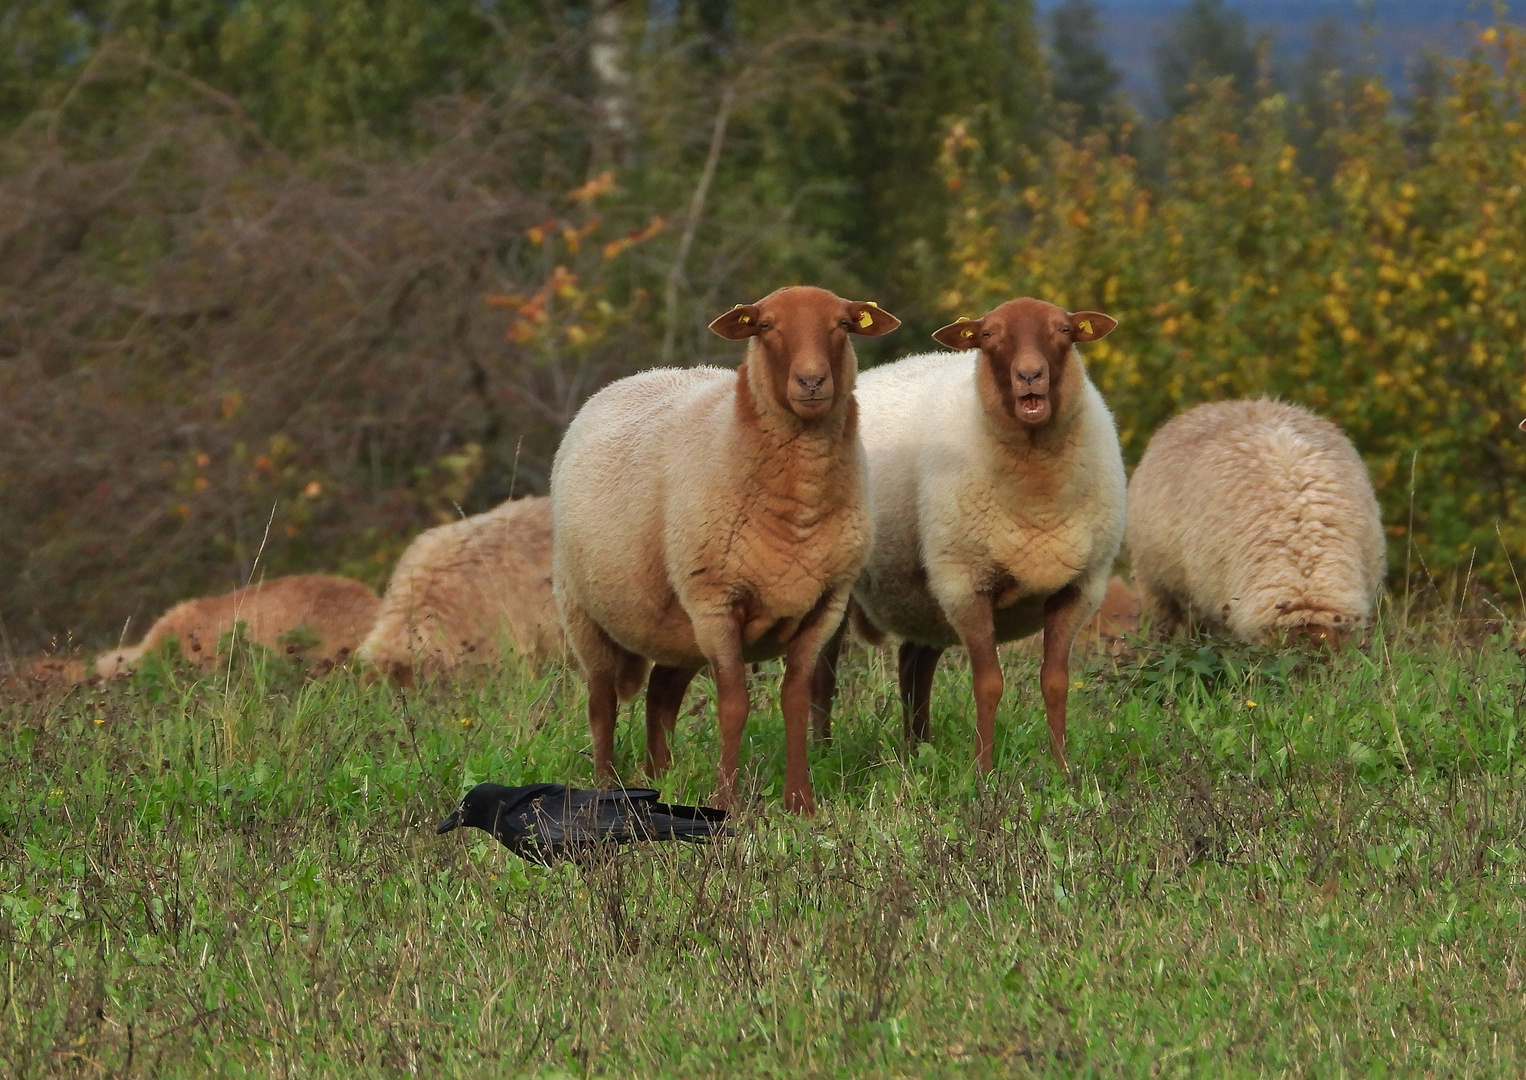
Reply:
x=1384 y=36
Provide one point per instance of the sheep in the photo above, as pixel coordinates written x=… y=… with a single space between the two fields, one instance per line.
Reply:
x=463 y=592
x=716 y=516
x=1257 y=517
x=1108 y=627
x=321 y=616
x=1115 y=619
x=998 y=492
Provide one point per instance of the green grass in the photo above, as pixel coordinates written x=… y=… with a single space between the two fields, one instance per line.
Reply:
x=238 y=875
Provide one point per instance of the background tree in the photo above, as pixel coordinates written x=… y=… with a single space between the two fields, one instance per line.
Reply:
x=1081 y=74
x=1204 y=41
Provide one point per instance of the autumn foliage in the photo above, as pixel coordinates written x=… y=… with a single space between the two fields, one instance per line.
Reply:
x=1390 y=298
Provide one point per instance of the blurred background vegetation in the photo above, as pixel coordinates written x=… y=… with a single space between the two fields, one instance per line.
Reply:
x=282 y=284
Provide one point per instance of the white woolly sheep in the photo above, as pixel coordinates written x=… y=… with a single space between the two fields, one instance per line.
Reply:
x=1257 y=517
x=998 y=493
x=321 y=617
x=715 y=516
x=464 y=592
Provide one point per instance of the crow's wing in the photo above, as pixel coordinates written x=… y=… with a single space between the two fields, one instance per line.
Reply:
x=671 y=821
x=543 y=822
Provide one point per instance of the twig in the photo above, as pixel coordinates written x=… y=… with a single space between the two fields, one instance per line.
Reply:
x=691 y=222
x=1409 y=541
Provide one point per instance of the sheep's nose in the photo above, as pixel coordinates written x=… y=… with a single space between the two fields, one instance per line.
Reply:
x=810 y=383
x=1030 y=377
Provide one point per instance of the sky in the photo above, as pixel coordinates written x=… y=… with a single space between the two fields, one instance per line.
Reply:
x=1382 y=35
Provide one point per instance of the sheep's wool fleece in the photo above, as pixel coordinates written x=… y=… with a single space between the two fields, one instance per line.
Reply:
x=958 y=514
x=335 y=611
x=1255 y=515
x=665 y=513
x=470 y=592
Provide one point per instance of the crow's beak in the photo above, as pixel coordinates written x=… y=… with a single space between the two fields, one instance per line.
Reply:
x=449 y=823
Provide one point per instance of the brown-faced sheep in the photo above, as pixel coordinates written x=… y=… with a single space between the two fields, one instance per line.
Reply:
x=466 y=592
x=1257 y=517
x=321 y=617
x=711 y=516
x=998 y=493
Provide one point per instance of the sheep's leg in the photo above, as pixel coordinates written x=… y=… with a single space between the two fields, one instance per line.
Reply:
x=664 y=697
x=1063 y=615
x=824 y=684
x=1160 y=608
x=601 y=660
x=720 y=640
x=977 y=632
x=603 y=705
x=801 y=657
x=917 y=663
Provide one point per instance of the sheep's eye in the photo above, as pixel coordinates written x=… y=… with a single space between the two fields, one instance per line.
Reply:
x=844 y=323
x=1066 y=330
x=765 y=326
x=985 y=333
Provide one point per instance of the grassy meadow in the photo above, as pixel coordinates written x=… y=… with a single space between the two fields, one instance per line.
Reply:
x=1266 y=863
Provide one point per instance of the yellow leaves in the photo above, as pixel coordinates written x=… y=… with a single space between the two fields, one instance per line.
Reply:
x=538 y=233
x=573 y=237
x=602 y=184
x=637 y=236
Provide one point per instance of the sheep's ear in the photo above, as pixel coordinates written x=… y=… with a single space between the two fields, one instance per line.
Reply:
x=866 y=318
x=738 y=323
x=964 y=334
x=1091 y=325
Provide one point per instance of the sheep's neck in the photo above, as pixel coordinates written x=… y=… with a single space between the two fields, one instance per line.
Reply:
x=800 y=470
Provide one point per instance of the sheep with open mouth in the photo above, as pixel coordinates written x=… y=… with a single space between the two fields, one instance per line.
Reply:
x=998 y=493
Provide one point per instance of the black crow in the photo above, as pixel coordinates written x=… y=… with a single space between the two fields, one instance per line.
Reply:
x=542 y=822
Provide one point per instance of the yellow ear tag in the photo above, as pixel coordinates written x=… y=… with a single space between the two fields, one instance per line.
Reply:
x=744 y=318
x=865 y=319
x=871 y=303
x=1086 y=326
x=967 y=333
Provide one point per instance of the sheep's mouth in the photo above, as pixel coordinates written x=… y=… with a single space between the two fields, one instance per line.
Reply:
x=1033 y=407
x=811 y=405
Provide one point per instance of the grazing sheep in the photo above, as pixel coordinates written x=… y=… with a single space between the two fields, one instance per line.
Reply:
x=998 y=493
x=43 y=672
x=1257 y=517
x=711 y=516
x=463 y=592
x=322 y=617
